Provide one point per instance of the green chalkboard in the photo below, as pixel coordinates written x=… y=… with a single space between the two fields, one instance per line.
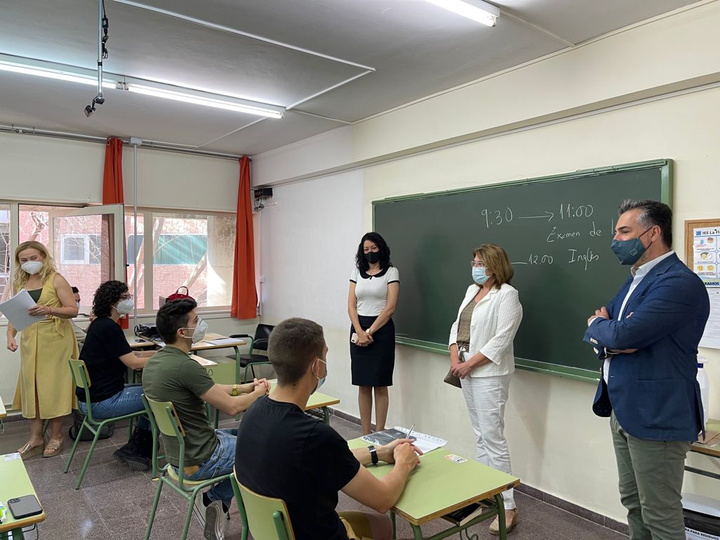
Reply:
x=557 y=231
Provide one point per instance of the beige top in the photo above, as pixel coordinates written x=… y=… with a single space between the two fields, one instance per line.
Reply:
x=463 y=332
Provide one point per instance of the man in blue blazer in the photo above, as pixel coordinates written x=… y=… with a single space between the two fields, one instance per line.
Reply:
x=648 y=337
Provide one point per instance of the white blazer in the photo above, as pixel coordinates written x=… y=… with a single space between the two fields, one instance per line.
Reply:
x=494 y=323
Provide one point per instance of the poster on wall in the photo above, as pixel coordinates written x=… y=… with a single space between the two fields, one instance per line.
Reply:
x=702 y=249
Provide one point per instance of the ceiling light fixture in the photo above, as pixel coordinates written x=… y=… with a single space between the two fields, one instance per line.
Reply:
x=197 y=97
x=476 y=10
x=49 y=70
x=74 y=74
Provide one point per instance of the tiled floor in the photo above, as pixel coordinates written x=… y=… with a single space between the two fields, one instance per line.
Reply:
x=114 y=503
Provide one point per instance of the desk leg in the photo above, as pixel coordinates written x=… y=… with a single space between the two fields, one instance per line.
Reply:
x=326 y=415
x=16 y=534
x=237 y=364
x=703 y=472
x=392 y=520
x=417 y=532
x=501 y=515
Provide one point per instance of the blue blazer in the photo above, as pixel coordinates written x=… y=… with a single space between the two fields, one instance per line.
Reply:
x=654 y=391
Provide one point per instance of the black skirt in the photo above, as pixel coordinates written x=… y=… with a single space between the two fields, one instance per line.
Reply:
x=373 y=365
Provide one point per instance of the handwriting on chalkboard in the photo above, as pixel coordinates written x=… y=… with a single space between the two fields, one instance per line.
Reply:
x=578 y=226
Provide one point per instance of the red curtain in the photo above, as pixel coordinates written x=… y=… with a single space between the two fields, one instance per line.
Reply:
x=113 y=186
x=244 y=295
x=112 y=176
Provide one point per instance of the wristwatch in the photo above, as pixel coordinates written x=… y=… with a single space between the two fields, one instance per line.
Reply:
x=373 y=454
x=234 y=390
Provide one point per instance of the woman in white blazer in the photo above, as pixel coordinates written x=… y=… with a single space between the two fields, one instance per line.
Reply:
x=482 y=355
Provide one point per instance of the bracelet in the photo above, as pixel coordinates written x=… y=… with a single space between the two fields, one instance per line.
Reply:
x=373 y=454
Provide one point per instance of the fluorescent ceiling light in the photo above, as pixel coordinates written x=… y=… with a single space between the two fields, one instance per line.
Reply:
x=196 y=97
x=50 y=70
x=477 y=10
x=74 y=74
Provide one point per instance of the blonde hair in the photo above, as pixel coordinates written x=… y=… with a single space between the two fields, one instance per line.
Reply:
x=20 y=276
x=496 y=260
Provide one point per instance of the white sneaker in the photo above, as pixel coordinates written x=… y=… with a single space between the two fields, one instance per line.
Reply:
x=199 y=510
x=215 y=521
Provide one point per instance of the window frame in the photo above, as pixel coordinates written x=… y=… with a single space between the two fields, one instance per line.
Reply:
x=148 y=214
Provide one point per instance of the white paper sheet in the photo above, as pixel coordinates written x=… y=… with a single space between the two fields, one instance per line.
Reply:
x=426 y=443
x=711 y=337
x=16 y=310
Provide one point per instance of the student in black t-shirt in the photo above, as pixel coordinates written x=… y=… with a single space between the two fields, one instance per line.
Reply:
x=107 y=355
x=283 y=453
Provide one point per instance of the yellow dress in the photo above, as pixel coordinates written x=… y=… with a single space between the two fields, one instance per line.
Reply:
x=45 y=348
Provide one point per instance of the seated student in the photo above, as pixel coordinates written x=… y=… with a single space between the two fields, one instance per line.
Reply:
x=107 y=355
x=171 y=375
x=283 y=453
x=79 y=332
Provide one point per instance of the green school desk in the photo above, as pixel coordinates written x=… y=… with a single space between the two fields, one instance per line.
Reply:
x=440 y=485
x=712 y=449
x=318 y=400
x=14 y=482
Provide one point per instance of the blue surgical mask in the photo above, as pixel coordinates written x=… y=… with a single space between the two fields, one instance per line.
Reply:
x=479 y=276
x=628 y=251
x=321 y=381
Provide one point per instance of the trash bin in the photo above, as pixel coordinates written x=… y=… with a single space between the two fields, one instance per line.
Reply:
x=702 y=517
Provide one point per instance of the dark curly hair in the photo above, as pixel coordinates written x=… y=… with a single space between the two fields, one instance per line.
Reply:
x=107 y=295
x=379 y=241
x=172 y=316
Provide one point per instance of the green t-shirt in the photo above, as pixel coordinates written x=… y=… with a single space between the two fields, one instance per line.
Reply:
x=171 y=375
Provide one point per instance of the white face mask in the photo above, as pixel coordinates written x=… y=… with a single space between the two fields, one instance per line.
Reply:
x=32 y=267
x=124 y=307
x=199 y=333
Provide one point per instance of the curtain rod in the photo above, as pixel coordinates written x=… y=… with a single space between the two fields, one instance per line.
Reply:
x=151 y=145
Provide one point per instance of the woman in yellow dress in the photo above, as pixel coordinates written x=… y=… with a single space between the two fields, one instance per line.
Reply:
x=45 y=388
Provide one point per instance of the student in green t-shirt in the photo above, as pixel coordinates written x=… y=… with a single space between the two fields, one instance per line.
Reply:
x=171 y=375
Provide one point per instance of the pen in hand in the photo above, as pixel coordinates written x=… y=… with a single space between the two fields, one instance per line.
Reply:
x=411 y=430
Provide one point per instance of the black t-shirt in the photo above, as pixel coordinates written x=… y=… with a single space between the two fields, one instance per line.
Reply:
x=104 y=344
x=281 y=452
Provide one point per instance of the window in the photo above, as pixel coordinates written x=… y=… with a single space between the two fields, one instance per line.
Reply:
x=5 y=250
x=183 y=249
x=80 y=249
x=83 y=242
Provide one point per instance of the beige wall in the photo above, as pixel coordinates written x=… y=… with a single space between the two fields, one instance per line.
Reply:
x=62 y=171
x=576 y=110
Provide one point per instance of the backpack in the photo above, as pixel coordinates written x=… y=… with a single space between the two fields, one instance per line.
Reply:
x=86 y=435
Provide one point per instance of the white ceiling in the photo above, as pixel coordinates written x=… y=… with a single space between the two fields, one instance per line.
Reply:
x=301 y=54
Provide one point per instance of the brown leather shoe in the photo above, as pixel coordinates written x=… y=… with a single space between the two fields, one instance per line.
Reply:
x=495 y=525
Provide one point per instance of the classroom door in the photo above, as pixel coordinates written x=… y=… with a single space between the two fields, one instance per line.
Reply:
x=88 y=247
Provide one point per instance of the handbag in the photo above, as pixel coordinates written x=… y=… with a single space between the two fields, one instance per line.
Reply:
x=147 y=331
x=85 y=434
x=452 y=379
x=177 y=295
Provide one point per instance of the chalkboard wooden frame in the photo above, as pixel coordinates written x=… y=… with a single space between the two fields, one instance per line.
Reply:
x=664 y=169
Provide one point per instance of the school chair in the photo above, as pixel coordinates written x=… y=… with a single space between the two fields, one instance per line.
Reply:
x=267 y=517
x=168 y=423
x=82 y=380
x=258 y=342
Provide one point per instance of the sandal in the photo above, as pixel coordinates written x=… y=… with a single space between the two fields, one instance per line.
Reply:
x=28 y=451
x=53 y=448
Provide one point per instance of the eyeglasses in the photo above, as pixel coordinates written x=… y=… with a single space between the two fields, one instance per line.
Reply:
x=476 y=264
x=127 y=296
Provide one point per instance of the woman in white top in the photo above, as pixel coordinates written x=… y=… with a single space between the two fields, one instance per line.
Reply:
x=374 y=287
x=482 y=355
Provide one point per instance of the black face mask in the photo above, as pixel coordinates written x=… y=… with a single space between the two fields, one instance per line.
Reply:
x=372 y=256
